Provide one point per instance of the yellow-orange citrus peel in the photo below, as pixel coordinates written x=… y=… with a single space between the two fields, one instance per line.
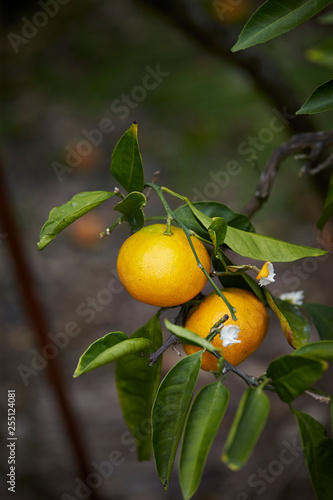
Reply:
x=252 y=320
x=160 y=269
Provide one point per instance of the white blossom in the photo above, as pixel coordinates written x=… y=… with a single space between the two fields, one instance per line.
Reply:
x=229 y=335
x=266 y=275
x=295 y=298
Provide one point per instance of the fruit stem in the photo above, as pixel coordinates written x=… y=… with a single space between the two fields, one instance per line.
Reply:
x=168 y=231
x=159 y=191
x=216 y=328
x=216 y=288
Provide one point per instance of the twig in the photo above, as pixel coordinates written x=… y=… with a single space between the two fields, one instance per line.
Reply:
x=250 y=380
x=173 y=340
x=314 y=143
x=155 y=177
x=327 y=163
x=319 y=397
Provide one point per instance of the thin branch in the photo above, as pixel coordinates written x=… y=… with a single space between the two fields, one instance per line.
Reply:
x=173 y=340
x=155 y=177
x=313 y=143
x=319 y=397
x=249 y=379
x=327 y=163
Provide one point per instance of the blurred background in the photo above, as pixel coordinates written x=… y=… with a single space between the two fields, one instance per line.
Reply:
x=75 y=76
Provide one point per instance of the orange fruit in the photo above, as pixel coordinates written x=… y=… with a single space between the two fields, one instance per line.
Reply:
x=160 y=269
x=252 y=319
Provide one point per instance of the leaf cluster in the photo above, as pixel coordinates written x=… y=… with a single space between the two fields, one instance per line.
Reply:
x=162 y=415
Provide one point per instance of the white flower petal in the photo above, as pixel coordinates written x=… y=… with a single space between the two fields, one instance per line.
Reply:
x=266 y=275
x=295 y=298
x=229 y=335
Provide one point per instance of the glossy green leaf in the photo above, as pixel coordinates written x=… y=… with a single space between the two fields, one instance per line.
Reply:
x=137 y=383
x=294 y=324
x=322 y=53
x=322 y=317
x=126 y=163
x=292 y=375
x=244 y=281
x=62 y=216
x=131 y=208
x=169 y=412
x=203 y=219
x=250 y=418
x=323 y=349
x=189 y=337
x=328 y=207
x=211 y=209
x=319 y=101
x=274 y=18
x=265 y=248
x=202 y=424
x=107 y=349
x=217 y=231
x=318 y=453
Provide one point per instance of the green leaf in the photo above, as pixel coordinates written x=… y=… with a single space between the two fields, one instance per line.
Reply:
x=131 y=207
x=107 y=349
x=189 y=337
x=274 y=18
x=259 y=247
x=212 y=209
x=238 y=281
x=217 y=231
x=126 y=163
x=322 y=53
x=62 y=216
x=202 y=424
x=169 y=412
x=201 y=216
x=250 y=418
x=292 y=375
x=322 y=318
x=319 y=101
x=318 y=452
x=137 y=383
x=294 y=324
x=323 y=349
x=328 y=207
